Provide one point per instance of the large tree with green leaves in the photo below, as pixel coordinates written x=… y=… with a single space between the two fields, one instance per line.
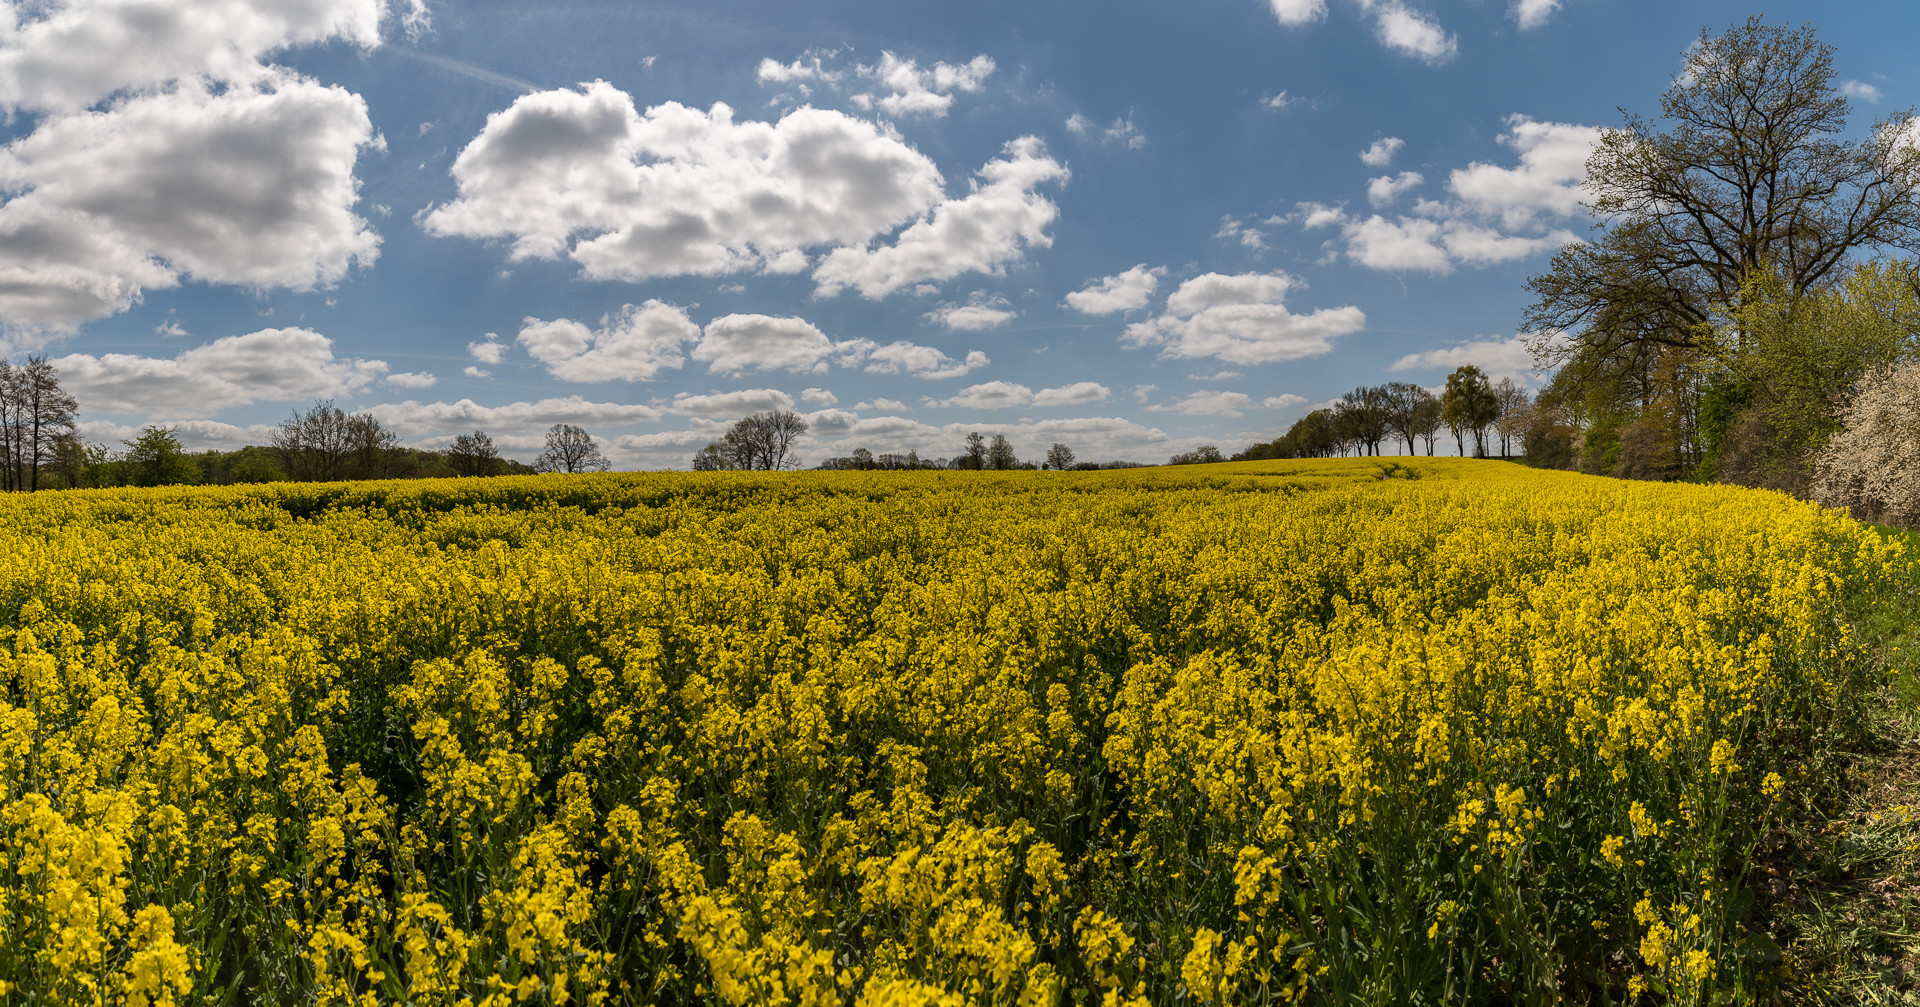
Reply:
x=1747 y=169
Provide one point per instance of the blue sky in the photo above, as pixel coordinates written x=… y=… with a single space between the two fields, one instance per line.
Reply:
x=1130 y=228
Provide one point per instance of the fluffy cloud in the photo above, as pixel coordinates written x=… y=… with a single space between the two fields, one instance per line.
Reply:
x=1861 y=90
x=165 y=149
x=819 y=396
x=77 y=52
x=1410 y=32
x=918 y=361
x=982 y=311
x=1314 y=215
x=518 y=424
x=411 y=379
x=1207 y=404
x=734 y=343
x=677 y=191
x=1298 y=12
x=1495 y=356
x=731 y=404
x=981 y=232
x=633 y=345
x=271 y=365
x=1071 y=395
x=1380 y=153
x=1545 y=185
x=911 y=90
x=1531 y=14
x=1495 y=214
x=1226 y=375
x=1285 y=401
x=1119 y=292
x=489 y=350
x=1395 y=25
x=1008 y=395
x=810 y=66
x=1241 y=319
x=249 y=186
x=1387 y=189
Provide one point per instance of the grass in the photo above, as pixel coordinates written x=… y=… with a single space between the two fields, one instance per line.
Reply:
x=1840 y=881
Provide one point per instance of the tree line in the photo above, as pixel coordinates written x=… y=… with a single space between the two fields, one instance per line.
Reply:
x=40 y=447
x=764 y=442
x=1474 y=409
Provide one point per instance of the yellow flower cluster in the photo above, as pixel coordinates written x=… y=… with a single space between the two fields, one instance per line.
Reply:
x=1253 y=733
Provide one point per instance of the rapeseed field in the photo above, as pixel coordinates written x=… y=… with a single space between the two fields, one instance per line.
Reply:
x=1261 y=733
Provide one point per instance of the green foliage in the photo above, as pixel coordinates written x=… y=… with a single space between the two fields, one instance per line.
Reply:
x=155 y=458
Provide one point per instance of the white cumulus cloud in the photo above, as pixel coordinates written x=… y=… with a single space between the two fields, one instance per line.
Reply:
x=1119 y=292
x=734 y=343
x=731 y=404
x=1206 y=404
x=1285 y=401
x=1861 y=90
x=1495 y=356
x=910 y=89
x=1380 y=153
x=1298 y=12
x=981 y=232
x=919 y=361
x=1495 y=213
x=1241 y=319
x=1410 y=32
x=634 y=344
x=1010 y=395
x=678 y=191
x=1387 y=189
x=489 y=350
x=819 y=396
x=271 y=365
x=1531 y=14
x=69 y=54
x=412 y=379
x=518 y=424
x=982 y=311
x=247 y=186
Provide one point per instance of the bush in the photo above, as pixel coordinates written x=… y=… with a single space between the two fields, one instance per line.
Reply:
x=1872 y=465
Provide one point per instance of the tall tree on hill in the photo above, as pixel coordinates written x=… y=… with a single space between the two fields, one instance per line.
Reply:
x=1745 y=172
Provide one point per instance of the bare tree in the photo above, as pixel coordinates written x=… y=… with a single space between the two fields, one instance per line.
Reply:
x=1513 y=418
x=473 y=455
x=1059 y=458
x=761 y=442
x=570 y=449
